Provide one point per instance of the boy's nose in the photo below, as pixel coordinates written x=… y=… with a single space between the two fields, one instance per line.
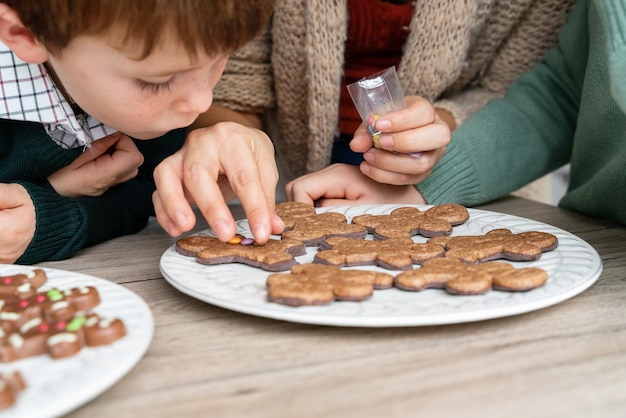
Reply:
x=197 y=100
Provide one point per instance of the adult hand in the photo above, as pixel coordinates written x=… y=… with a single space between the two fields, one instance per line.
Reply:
x=343 y=184
x=414 y=140
x=109 y=161
x=218 y=163
x=18 y=220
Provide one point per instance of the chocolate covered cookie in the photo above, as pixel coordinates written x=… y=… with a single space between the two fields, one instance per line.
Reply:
x=47 y=322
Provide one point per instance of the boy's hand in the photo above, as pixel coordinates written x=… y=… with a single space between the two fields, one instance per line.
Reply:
x=414 y=129
x=343 y=184
x=18 y=220
x=109 y=161
x=218 y=163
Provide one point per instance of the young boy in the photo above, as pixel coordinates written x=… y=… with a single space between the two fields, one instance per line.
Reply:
x=569 y=108
x=79 y=79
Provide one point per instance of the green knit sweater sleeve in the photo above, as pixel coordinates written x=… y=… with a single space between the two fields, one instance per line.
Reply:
x=66 y=225
x=522 y=136
x=60 y=225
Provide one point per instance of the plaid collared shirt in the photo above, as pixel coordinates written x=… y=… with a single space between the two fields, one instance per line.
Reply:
x=27 y=93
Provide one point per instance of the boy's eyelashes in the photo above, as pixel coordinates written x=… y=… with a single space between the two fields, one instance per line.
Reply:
x=154 y=88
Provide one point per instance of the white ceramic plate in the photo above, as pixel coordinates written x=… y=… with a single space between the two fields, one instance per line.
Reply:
x=56 y=387
x=572 y=268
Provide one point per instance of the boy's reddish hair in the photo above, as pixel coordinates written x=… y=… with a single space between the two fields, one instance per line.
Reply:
x=212 y=26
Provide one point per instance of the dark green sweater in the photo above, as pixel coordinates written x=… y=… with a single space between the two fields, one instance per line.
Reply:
x=65 y=225
x=570 y=108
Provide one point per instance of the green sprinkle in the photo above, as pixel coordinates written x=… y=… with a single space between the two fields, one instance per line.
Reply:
x=76 y=323
x=54 y=295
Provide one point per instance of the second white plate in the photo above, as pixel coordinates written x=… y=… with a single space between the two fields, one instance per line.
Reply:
x=56 y=387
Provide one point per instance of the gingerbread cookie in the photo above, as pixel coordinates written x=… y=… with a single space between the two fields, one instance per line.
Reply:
x=461 y=278
x=11 y=383
x=392 y=253
x=409 y=221
x=303 y=223
x=275 y=255
x=496 y=244
x=317 y=284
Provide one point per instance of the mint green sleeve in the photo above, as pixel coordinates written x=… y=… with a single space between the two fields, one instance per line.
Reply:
x=613 y=14
x=518 y=138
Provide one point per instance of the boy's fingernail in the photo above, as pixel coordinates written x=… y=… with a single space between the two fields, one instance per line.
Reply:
x=261 y=230
x=221 y=229
x=180 y=219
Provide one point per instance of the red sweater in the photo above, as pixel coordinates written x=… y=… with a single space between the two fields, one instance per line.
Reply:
x=377 y=32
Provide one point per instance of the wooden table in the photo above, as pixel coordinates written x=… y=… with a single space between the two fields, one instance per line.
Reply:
x=565 y=360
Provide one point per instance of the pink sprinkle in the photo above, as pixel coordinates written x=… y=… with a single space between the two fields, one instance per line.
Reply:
x=247 y=241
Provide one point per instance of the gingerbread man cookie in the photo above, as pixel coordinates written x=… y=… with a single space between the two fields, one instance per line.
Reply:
x=392 y=254
x=317 y=284
x=303 y=223
x=275 y=255
x=409 y=221
x=498 y=243
x=461 y=278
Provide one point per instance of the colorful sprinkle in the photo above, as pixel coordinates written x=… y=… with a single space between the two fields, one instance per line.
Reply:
x=247 y=241
x=55 y=294
x=7 y=280
x=236 y=239
x=76 y=323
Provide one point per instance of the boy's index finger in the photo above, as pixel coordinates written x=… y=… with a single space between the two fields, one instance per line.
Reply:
x=246 y=182
x=203 y=188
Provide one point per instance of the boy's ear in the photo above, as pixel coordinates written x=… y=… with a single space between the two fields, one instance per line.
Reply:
x=16 y=36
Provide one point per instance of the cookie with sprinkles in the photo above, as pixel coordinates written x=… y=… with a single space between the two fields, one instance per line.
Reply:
x=274 y=255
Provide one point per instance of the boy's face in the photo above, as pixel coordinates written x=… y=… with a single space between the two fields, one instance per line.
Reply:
x=141 y=98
